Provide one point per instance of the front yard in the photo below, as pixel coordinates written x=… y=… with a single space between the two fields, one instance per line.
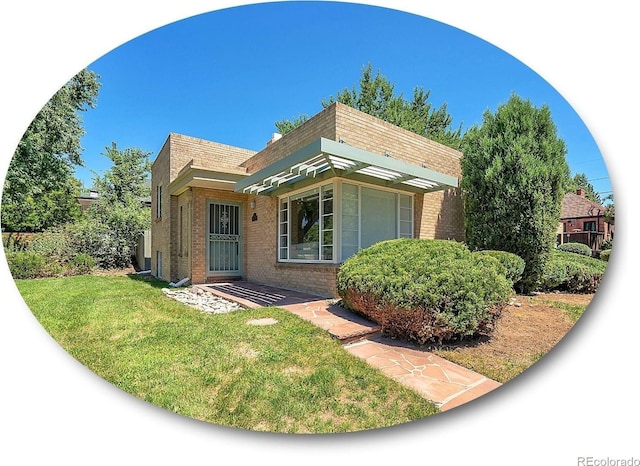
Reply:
x=287 y=377
x=525 y=331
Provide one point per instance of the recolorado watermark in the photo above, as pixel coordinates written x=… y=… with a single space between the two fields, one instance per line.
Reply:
x=595 y=461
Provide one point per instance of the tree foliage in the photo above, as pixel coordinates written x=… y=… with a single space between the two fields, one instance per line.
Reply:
x=40 y=189
x=110 y=227
x=609 y=209
x=376 y=96
x=125 y=181
x=514 y=176
x=580 y=180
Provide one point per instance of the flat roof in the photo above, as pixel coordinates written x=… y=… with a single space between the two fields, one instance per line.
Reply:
x=323 y=159
x=191 y=175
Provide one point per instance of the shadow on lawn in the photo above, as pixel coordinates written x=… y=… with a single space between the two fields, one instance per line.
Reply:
x=149 y=280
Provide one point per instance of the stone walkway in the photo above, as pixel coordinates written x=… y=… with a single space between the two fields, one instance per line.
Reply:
x=444 y=383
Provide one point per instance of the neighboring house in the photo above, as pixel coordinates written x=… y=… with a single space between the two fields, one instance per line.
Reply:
x=583 y=221
x=291 y=213
x=87 y=198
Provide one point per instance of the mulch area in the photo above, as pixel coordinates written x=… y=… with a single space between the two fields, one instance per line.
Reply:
x=524 y=332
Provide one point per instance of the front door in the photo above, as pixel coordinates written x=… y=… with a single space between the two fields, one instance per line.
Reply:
x=223 y=248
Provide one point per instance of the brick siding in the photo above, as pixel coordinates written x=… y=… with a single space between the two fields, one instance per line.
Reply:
x=436 y=215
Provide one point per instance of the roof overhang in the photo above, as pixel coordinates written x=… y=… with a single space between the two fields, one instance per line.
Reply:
x=323 y=159
x=193 y=176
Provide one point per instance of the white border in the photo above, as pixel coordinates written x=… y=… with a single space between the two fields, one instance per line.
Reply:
x=578 y=403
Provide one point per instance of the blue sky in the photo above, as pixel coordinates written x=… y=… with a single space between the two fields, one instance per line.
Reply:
x=228 y=75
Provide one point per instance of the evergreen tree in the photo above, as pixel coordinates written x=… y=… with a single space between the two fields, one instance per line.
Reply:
x=376 y=96
x=514 y=176
x=580 y=180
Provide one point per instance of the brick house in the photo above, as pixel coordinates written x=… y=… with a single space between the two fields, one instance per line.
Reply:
x=583 y=221
x=289 y=214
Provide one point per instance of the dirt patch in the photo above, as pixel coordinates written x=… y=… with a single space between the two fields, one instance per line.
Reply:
x=581 y=299
x=524 y=332
x=110 y=272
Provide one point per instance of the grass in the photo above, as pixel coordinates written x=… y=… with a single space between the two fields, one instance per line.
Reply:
x=573 y=311
x=288 y=377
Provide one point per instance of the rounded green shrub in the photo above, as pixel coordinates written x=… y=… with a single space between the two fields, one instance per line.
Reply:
x=425 y=290
x=604 y=255
x=29 y=264
x=81 y=264
x=576 y=248
x=575 y=273
x=54 y=243
x=512 y=263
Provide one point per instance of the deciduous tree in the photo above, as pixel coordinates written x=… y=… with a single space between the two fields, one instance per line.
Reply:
x=110 y=227
x=40 y=188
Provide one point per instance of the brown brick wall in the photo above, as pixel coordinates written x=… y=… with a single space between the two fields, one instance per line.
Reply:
x=320 y=125
x=442 y=214
x=437 y=215
x=178 y=151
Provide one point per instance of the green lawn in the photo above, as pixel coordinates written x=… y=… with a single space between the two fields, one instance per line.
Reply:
x=288 y=377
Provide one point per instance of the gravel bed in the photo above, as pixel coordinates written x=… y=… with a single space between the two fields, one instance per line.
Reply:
x=202 y=300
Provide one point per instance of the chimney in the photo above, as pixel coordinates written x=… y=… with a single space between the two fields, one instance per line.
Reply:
x=580 y=192
x=274 y=138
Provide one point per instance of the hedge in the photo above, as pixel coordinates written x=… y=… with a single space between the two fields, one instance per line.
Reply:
x=575 y=273
x=512 y=263
x=425 y=290
x=576 y=248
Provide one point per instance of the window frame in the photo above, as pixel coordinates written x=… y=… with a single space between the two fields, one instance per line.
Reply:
x=336 y=184
x=159 y=201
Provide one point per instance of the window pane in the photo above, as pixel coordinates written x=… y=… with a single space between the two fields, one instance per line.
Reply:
x=406 y=230
x=327 y=238
x=378 y=218
x=405 y=215
x=350 y=221
x=305 y=225
x=327 y=222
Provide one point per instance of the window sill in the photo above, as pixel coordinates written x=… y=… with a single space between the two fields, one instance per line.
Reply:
x=307 y=265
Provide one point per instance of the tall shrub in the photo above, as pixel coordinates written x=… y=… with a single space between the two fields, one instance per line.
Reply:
x=109 y=229
x=514 y=175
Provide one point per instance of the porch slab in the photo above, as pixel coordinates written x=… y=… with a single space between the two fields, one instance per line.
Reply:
x=254 y=295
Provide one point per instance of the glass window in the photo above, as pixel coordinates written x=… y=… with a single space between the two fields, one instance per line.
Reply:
x=370 y=215
x=159 y=201
x=406 y=216
x=378 y=219
x=350 y=220
x=284 y=229
x=309 y=231
x=305 y=226
x=327 y=223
